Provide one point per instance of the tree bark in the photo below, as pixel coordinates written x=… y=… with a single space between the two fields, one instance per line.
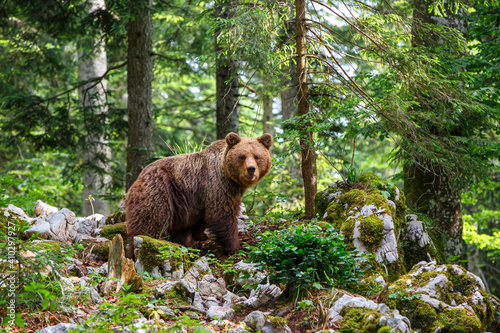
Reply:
x=306 y=140
x=139 y=87
x=226 y=73
x=433 y=194
x=96 y=153
x=267 y=114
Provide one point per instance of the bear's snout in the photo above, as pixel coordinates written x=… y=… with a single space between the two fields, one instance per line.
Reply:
x=251 y=170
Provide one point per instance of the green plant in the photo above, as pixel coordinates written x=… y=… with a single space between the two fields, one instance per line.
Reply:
x=36 y=269
x=403 y=296
x=305 y=255
x=114 y=315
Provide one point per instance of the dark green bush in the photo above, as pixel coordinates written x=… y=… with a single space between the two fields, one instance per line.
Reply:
x=305 y=255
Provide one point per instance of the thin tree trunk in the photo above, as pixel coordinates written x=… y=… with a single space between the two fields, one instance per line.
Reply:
x=431 y=193
x=306 y=141
x=267 y=114
x=96 y=154
x=289 y=109
x=139 y=87
x=226 y=73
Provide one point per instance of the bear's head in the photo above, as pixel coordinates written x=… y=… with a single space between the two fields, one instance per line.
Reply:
x=247 y=160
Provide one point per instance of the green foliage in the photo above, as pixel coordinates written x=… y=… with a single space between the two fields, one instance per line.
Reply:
x=482 y=241
x=36 y=270
x=403 y=296
x=111 y=316
x=303 y=255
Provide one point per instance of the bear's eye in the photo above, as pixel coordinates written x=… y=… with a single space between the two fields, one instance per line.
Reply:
x=243 y=157
x=256 y=157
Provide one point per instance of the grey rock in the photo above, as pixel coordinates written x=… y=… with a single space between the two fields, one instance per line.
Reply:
x=197 y=272
x=89 y=291
x=229 y=299
x=88 y=224
x=43 y=209
x=220 y=312
x=83 y=237
x=250 y=269
x=74 y=270
x=211 y=301
x=210 y=286
x=103 y=270
x=59 y=328
x=237 y=329
x=14 y=211
x=269 y=328
x=60 y=226
x=263 y=294
x=387 y=252
x=255 y=320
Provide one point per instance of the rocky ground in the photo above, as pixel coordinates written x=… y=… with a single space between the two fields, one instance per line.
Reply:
x=408 y=288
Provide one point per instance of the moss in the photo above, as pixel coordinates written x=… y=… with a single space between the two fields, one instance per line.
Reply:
x=101 y=250
x=116 y=218
x=371 y=230
x=459 y=289
x=277 y=322
x=401 y=207
x=384 y=329
x=413 y=253
x=456 y=320
x=367 y=287
x=239 y=308
x=334 y=212
x=110 y=231
x=373 y=181
x=380 y=202
x=360 y=320
x=178 y=293
x=149 y=253
x=320 y=204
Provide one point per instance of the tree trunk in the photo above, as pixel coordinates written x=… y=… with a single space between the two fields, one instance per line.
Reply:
x=306 y=140
x=96 y=154
x=267 y=114
x=433 y=196
x=430 y=193
x=289 y=110
x=289 y=95
x=139 y=87
x=227 y=111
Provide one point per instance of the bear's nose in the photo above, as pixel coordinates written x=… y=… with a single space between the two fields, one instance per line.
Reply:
x=251 y=170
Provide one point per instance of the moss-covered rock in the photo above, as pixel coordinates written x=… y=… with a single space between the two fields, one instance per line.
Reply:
x=360 y=320
x=119 y=217
x=367 y=219
x=457 y=320
x=433 y=296
x=110 y=231
x=150 y=257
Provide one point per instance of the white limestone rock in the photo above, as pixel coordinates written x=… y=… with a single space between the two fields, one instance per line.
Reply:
x=60 y=226
x=43 y=209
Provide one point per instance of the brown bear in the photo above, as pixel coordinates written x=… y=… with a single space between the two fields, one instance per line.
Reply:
x=178 y=197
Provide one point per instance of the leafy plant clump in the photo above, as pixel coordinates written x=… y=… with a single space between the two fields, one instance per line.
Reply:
x=306 y=256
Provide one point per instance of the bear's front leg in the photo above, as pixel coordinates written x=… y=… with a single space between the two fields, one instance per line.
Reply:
x=225 y=230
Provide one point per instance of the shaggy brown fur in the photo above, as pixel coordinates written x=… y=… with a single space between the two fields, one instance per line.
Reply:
x=179 y=197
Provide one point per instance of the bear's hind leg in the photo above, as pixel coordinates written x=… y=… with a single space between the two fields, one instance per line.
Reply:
x=183 y=237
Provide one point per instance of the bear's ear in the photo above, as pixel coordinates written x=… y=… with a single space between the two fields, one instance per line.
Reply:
x=232 y=139
x=266 y=140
